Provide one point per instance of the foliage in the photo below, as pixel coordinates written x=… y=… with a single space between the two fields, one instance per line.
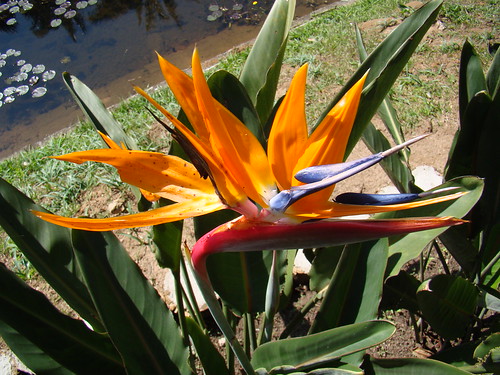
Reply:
x=132 y=330
x=455 y=305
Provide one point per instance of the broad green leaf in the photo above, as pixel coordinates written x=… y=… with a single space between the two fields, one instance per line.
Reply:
x=474 y=153
x=386 y=110
x=489 y=298
x=34 y=326
x=261 y=71
x=168 y=239
x=493 y=75
x=287 y=290
x=400 y=292
x=340 y=369
x=31 y=355
x=461 y=247
x=491 y=342
x=136 y=319
x=101 y=118
x=409 y=366
x=403 y=249
x=96 y=112
x=488 y=355
x=231 y=93
x=488 y=165
x=448 y=303
x=210 y=358
x=464 y=151
x=48 y=248
x=471 y=77
x=385 y=63
x=323 y=266
x=240 y=279
x=355 y=290
x=491 y=276
x=313 y=350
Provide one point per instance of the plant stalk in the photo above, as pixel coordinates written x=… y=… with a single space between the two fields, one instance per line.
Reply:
x=191 y=296
x=300 y=315
x=441 y=257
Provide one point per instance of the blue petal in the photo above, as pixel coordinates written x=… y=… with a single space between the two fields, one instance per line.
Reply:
x=321 y=172
x=347 y=169
x=322 y=176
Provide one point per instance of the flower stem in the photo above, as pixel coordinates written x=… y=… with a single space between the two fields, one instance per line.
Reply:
x=191 y=298
x=218 y=315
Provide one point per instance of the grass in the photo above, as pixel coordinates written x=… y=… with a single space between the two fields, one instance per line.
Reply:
x=426 y=89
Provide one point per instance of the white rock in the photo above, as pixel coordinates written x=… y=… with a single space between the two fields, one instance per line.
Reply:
x=426 y=177
x=301 y=264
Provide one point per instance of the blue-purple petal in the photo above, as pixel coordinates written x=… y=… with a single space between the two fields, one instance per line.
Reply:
x=321 y=172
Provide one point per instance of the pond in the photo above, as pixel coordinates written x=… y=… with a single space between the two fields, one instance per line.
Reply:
x=109 y=45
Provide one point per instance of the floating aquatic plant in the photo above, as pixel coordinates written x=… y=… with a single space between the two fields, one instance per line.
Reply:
x=62 y=9
x=21 y=77
x=250 y=12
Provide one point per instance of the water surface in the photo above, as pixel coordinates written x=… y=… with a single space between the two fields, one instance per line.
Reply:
x=109 y=45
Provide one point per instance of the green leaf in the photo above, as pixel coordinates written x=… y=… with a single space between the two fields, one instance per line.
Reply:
x=340 y=369
x=48 y=248
x=405 y=248
x=210 y=358
x=448 y=303
x=96 y=112
x=493 y=75
x=136 y=319
x=356 y=287
x=483 y=349
x=400 y=292
x=168 y=239
x=240 y=279
x=489 y=298
x=231 y=93
x=36 y=325
x=101 y=118
x=464 y=151
x=490 y=273
x=313 y=350
x=386 y=110
x=471 y=77
x=261 y=71
x=31 y=355
x=385 y=63
x=462 y=248
x=474 y=153
x=323 y=266
x=409 y=366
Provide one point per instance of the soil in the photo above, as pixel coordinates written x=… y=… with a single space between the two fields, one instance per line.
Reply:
x=432 y=151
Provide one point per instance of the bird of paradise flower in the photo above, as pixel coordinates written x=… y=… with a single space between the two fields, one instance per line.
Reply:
x=283 y=195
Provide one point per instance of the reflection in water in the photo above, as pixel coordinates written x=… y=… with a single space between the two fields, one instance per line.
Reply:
x=44 y=15
x=153 y=10
x=105 y=43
